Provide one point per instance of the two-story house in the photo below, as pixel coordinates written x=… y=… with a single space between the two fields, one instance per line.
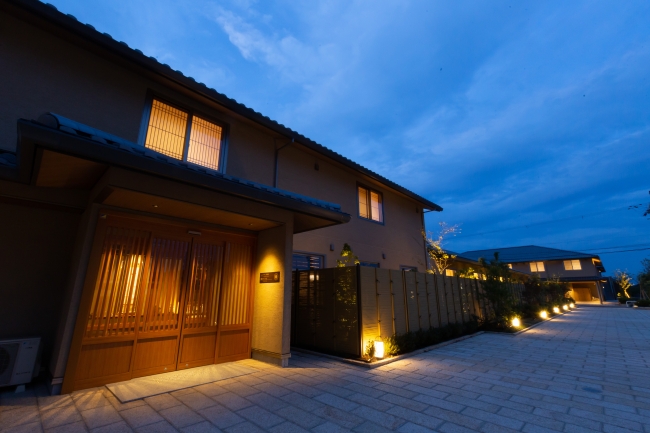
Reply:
x=583 y=272
x=150 y=223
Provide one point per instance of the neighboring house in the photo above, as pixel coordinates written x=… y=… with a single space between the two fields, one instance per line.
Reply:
x=583 y=272
x=150 y=223
x=460 y=265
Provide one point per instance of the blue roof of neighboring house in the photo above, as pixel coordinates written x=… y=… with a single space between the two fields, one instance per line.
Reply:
x=103 y=138
x=89 y=33
x=529 y=253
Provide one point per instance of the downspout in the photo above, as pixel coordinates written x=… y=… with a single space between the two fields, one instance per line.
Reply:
x=277 y=156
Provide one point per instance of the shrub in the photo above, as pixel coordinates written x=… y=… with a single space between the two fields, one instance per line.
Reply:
x=643 y=303
x=410 y=341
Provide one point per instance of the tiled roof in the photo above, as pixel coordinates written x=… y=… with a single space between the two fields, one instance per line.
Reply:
x=102 y=138
x=529 y=253
x=105 y=40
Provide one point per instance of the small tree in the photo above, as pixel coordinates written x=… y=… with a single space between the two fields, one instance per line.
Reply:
x=440 y=258
x=496 y=290
x=624 y=282
x=348 y=257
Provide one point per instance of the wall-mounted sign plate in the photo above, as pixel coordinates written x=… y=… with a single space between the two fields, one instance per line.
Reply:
x=269 y=277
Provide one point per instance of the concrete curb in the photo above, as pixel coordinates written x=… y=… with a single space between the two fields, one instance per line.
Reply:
x=372 y=365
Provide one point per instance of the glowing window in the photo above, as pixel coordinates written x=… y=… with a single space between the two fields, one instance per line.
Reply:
x=572 y=265
x=450 y=272
x=181 y=135
x=536 y=266
x=371 y=204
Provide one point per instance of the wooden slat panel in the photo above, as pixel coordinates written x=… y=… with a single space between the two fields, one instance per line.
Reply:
x=232 y=343
x=235 y=309
x=432 y=300
x=198 y=347
x=423 y=300
x=346 y=312
x=385 y=301
x=411 y=301
x=399 y=302
x=202 y=299
x=155 y=352
x=462 y=297
x=324 y=316
x=370 y=325
x=451 y=299
x=443 y=308
x=113 y=308
x=98 y=360
x=161 y=306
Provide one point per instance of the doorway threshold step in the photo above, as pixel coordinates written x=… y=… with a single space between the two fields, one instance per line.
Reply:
x=142 y=387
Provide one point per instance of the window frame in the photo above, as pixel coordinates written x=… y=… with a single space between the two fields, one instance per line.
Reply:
x=537 y=267
x=368 y=264
x=309 y=253
x=383 y=208
x=408 y=268
x=225 y=128
x=573 y=268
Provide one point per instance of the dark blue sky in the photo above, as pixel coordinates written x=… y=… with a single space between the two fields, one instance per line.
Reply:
x=529 y=122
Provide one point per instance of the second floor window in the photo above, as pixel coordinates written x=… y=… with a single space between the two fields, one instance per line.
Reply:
x=183 y=135
x=572 y=265
x=371 y=204
x=536 y=266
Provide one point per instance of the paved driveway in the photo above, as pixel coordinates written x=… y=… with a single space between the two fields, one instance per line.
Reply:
x=584 y=371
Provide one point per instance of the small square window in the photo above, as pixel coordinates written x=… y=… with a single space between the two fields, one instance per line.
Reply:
x=369 y=264
x=304 y=261
x=183 y=135
x=371 y=204
x=572 y=265
x=536 y=266
x=450 y=272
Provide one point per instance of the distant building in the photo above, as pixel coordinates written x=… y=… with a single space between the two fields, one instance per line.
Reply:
x=583 y=272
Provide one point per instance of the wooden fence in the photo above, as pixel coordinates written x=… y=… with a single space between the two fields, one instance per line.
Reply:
x=340 y=310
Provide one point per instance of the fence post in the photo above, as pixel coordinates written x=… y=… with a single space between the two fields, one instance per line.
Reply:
x=406 y=307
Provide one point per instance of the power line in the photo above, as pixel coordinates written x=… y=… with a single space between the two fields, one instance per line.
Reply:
x=629 y=207
x=623 y=251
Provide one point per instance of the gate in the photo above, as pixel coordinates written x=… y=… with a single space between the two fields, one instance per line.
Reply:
x=160 y=298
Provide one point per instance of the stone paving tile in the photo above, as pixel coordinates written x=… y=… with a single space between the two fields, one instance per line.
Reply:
x=202 y=427
x=181 y=416
x=31 y=427
x=162 y=401
x=58 y=417
x=75 y=427
x=158 y=427
x=100 y=416
x=140 y=416
x=120 y=427
x=220 y=416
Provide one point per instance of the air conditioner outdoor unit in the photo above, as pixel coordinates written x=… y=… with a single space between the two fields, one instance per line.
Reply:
x=18 y=361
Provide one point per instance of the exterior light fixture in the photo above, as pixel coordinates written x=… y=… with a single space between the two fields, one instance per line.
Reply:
x=572 y=305
x=379 y=348
x=516 y=322
x=565 y=307
x=543 y=314
x=556 y=310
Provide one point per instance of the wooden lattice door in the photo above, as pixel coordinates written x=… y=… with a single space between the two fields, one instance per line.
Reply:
x=158 y=299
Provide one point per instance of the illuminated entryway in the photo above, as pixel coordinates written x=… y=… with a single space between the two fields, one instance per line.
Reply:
x=161 y=297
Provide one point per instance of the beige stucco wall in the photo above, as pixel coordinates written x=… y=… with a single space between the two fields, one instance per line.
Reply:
x=35 y=251
x=399 y=237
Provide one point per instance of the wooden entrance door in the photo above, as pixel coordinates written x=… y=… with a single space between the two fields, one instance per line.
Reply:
x=158 y=299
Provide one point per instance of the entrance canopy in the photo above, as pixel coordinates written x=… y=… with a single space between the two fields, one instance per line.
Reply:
x=56 y=152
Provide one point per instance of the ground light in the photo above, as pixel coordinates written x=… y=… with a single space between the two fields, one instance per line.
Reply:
x=565 y=307
x=572 y=305
x=556 y=310
x=516 y=322
x=543 y=314
x=379 y=349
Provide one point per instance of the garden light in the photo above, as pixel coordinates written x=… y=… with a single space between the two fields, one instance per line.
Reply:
x=379 y=349
x=565 y=307
x=516 y=322
x=556 y=310
x=572 y=305
x=543 y=315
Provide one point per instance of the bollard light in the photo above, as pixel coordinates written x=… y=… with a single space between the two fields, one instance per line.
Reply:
x=565 y=307
x=379 y=349
x=543 y=315
x=516 y=322
x=572 y=305
x=556 y=310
